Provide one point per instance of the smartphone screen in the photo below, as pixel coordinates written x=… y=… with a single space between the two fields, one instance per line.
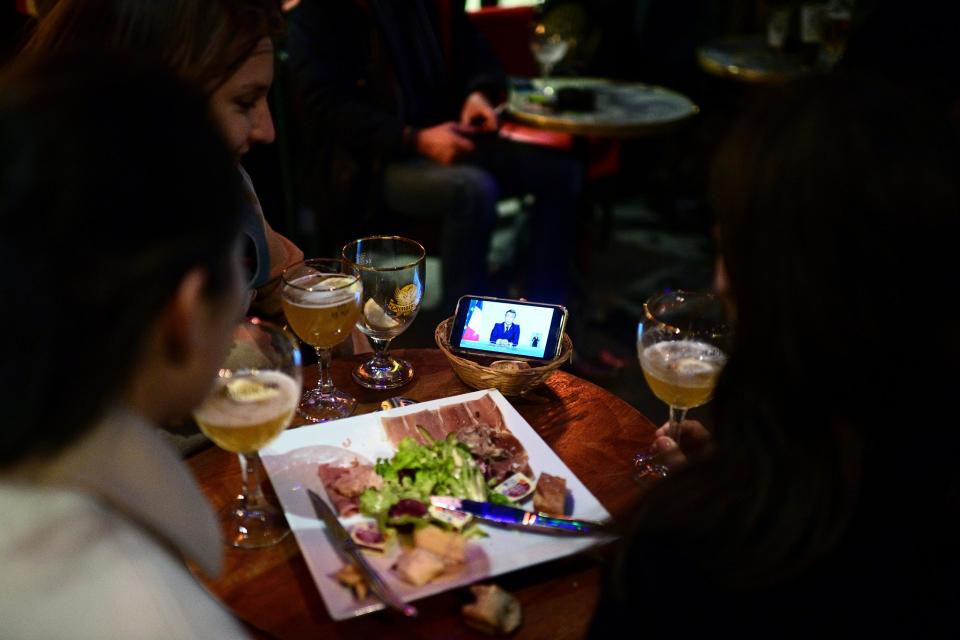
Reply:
x=508 y=327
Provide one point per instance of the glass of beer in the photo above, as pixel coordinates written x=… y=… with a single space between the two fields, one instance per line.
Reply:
x=392 y=270
x=253 y=399
x=680 y=343
x=321 y=299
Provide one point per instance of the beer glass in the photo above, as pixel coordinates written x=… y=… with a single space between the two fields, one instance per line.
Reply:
x=321 y=300
x=680 y=343
x=253 y=399
x=392 y=271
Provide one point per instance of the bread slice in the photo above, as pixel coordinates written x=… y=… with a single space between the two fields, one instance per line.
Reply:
x=495 y=612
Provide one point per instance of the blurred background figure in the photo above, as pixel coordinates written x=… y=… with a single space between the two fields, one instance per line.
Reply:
x=400 y=101
x=821 y=502
x=221 y=48
x=111 y=330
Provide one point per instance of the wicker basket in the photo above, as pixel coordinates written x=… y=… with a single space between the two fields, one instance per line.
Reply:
x=510 y=383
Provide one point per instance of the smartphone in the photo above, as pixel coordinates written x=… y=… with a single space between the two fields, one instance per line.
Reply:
x=517 y=329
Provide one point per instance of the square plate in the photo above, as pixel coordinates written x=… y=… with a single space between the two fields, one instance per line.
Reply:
x=291 y=462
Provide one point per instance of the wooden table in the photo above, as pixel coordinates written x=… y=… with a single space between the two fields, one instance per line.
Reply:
x=594 y=432
x=622 y=109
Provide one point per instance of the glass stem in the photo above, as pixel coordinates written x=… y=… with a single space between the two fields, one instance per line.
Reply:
x=380 y=346
x=324 y=379
x=676 y=417
x=251 y=495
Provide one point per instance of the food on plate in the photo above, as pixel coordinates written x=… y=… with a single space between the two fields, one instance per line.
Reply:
x=350 y=577
x=450 y=546
x=344 y=485
x=551 y=495
x=516 y=487
x=495 y=612
x=418 y=566
x=369 y=536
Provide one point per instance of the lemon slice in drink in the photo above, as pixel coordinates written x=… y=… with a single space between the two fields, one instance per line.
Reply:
x=245 y=391
x=377 y=318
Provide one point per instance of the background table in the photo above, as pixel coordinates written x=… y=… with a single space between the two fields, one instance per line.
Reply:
x=623 y=110
x=594 y=432
x=749 y=59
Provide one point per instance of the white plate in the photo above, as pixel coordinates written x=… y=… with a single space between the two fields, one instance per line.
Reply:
x=291 y=462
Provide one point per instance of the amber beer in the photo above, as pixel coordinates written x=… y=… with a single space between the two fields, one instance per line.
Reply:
x=322 y=309
x=244 y=413
x=682 y=373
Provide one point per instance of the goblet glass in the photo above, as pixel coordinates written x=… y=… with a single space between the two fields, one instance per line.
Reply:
x=321 y=299
x=253 y=399
x=548 y=45
x=391 y=269
x=680 y=343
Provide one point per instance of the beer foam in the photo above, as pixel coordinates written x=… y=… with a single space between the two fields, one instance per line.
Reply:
x=683 y=362
x=221 y=410
x=321 y=291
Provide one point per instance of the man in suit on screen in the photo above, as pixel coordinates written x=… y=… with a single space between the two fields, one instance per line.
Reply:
x=506 y=332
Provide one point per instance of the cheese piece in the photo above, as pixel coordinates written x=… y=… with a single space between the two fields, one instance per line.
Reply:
x=449 y=545
x=418 y=566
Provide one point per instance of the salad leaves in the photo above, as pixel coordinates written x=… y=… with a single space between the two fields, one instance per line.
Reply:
x=416 y=472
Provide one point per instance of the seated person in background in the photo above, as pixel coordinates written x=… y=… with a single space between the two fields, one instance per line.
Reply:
x=222 y=48
x=99 y=509
x=823 y=500
x=399 y=101
x=506 y=332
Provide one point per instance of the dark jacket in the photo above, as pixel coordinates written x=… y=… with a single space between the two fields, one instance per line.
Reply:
x=369 y=73
x=512 y=335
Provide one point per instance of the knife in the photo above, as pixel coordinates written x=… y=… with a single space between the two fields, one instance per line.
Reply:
x=351 y=552
x=531 y=520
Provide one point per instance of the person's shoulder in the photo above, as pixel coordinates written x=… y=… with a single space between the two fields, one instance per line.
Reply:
x=69 y=556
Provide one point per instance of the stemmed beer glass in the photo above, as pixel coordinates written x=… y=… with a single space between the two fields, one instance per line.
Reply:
x=253 y=399
x=680 y=343
x=321 y=300
x=391 y=269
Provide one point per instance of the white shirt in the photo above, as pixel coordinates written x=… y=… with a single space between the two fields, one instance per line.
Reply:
x=91 y=543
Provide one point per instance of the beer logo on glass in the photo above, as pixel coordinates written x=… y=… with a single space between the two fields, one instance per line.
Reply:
x=404 y=300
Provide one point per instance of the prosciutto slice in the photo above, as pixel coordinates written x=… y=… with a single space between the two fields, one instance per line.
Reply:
x=345 y=484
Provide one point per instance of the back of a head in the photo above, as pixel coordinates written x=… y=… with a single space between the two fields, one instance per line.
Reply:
x=839 y=201
x=202 y=42
x=113 y=185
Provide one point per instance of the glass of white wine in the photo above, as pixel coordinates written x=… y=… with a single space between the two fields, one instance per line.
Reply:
x=252 y=401
x=680 y=343
x=321 y=300
x=392 y=271
x=549 y=45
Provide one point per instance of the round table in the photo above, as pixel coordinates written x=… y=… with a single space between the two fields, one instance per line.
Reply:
x=622 y=110
x=749 y=59
x=593 y=431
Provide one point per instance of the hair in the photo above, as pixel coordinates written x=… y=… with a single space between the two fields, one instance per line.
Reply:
x=511 y=311
x=204 y=42
x=113 y=185
x=838 y=202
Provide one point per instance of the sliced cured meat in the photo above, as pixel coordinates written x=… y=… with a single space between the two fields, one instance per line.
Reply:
x=431 y=421
x=456 y=416
x=345 y=484
x=397 y=428
x=485 y=410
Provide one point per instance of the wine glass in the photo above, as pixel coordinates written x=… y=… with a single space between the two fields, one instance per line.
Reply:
x=253 y=399
x=392 y=272
x=548 y=46
x=680 y=343
x=321 y=299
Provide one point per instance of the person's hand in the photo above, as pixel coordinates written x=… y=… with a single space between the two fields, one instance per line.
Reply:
x=442 y=143
x=477 y=114
x=695 y=441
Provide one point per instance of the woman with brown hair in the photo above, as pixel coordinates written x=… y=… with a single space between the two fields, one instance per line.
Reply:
x=223 y=49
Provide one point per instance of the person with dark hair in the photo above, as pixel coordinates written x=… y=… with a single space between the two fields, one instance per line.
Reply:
x=399 y=99
x=820 y=500
x=224 y=50
x=120 y=229
x=506 y=332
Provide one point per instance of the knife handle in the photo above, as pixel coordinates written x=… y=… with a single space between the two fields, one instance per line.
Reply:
x=381 y=588
x=567 y=524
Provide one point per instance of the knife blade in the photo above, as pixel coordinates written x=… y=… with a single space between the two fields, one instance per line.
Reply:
x=513 y=516
x=347 y=548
